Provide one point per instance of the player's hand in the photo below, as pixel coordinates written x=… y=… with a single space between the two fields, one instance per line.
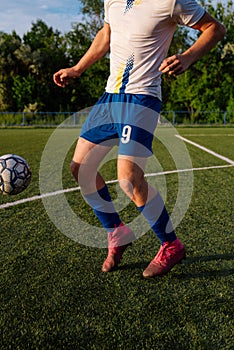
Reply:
x=174 y=65
x=63 y=76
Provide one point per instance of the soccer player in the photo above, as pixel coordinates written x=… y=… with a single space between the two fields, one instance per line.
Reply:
x=138 y=34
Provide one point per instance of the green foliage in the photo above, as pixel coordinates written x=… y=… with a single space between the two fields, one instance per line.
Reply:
x=93 y=11
x=27 y=65
x=23 y=90
x=207 y=85
x=87 y=89
x=8 y=65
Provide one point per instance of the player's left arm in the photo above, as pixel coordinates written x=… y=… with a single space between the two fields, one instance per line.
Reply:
x=212 y=31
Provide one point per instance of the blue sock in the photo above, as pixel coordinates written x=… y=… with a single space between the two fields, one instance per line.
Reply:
x=157 y=216
x=104 y=209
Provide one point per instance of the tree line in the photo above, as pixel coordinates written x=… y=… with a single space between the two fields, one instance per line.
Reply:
x=27 y=65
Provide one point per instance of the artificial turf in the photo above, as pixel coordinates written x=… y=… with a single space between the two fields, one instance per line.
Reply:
x=54 y=295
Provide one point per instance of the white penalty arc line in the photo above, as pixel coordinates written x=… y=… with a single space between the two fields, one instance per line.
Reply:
x=207 y=150
x=55 y=193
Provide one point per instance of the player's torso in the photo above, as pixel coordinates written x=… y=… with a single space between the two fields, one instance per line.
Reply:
x=141 y=31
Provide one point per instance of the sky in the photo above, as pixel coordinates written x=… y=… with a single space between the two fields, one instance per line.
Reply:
x=19 y=15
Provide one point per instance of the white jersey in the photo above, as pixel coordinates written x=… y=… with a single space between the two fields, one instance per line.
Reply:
x=141 y=33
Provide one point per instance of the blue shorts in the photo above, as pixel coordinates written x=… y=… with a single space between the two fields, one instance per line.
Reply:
x=127 y=120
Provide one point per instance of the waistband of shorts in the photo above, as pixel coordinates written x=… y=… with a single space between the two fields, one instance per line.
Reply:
x=148 y=101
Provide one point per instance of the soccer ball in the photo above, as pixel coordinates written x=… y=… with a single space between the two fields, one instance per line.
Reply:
x=15 y=174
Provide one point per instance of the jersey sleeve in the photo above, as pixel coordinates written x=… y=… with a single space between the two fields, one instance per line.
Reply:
x=106 y=11
x=188 y=12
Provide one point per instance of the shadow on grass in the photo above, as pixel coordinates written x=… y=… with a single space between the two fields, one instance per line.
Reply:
x=208 y=272
x=205 y=274
x=189 y=261
x=216 y=257
x=133 y=266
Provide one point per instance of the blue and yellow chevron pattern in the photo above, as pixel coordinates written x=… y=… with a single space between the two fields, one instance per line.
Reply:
x=130 y=4
x=123 y=75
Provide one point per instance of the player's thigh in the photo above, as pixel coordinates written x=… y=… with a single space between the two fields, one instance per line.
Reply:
x=89 y=153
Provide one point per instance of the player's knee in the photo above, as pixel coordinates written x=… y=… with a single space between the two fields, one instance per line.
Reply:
x=134 y=187
x=74 y=168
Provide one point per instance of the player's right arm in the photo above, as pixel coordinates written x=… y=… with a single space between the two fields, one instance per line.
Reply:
x=99 y=47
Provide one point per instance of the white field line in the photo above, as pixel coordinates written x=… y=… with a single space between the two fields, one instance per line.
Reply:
x=216 y=135
x=206 y=150
x=55 y=193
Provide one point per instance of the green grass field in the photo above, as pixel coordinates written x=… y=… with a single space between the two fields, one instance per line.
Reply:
x=54 y=295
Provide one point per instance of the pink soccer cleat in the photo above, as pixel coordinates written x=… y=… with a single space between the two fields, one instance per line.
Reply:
x=118 y=241
x=170 y=254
